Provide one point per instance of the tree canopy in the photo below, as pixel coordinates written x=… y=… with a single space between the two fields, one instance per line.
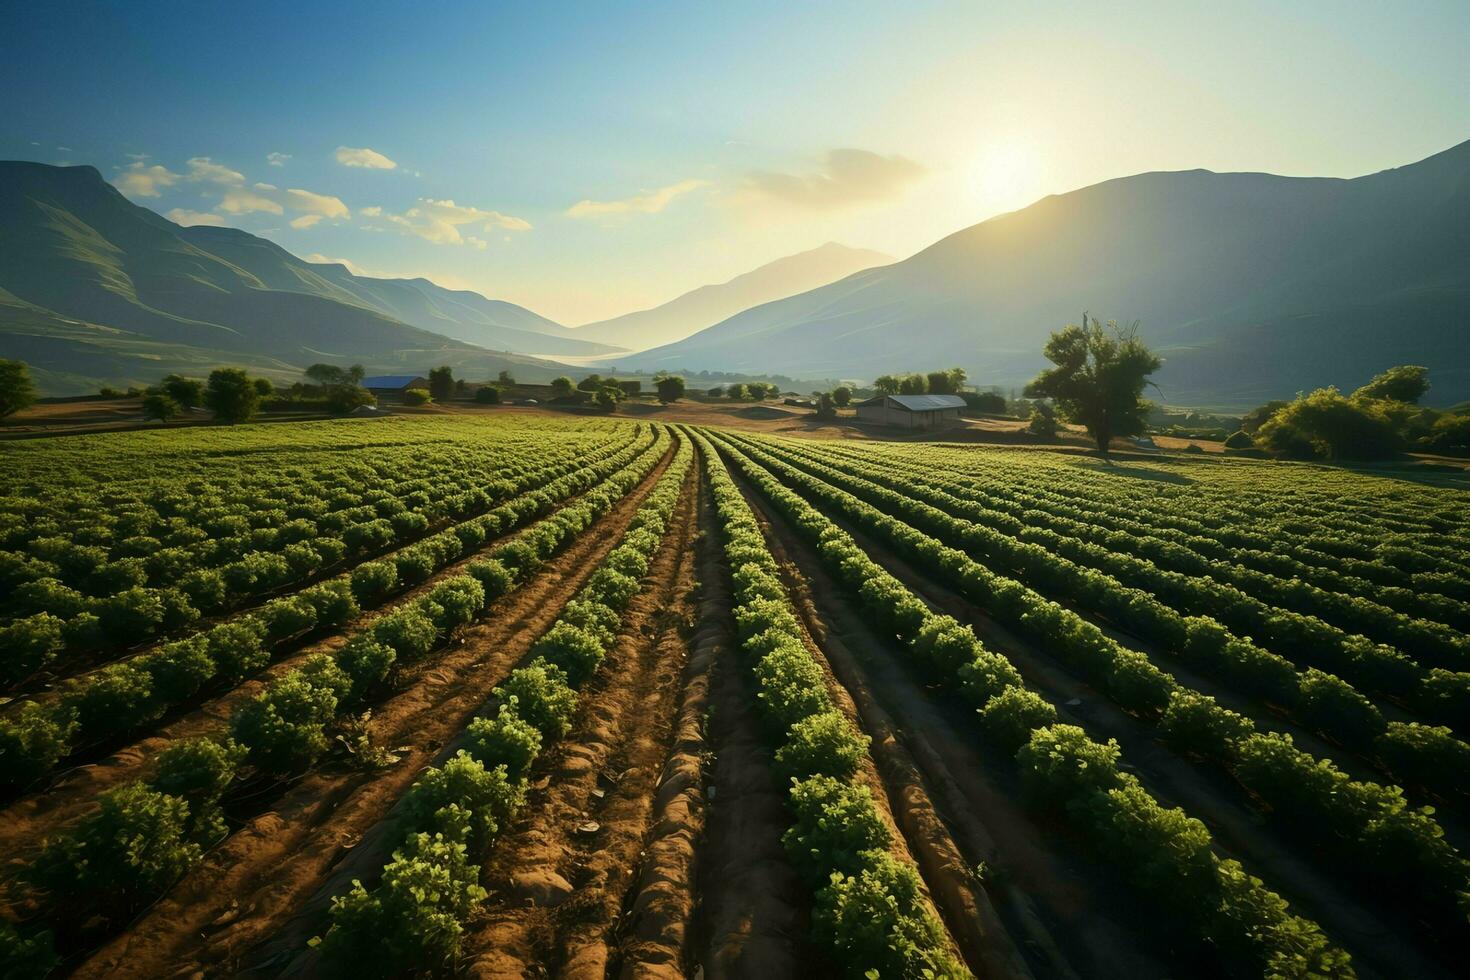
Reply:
x=1405 y=383
x=1099 y=379
x=17 y=390
x=670 y=387
x=231 y=395
x=441 y=383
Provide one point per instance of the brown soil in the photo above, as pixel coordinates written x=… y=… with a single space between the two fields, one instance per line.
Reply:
x=1037 y=911
x=653 y=938
x=25 y=822
x=276 y=875
x=1377 y=948
x=557 y=881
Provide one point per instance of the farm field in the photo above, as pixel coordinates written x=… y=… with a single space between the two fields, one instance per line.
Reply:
x=531 y=695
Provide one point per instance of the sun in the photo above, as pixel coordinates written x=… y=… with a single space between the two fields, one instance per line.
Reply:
x=1005 y=175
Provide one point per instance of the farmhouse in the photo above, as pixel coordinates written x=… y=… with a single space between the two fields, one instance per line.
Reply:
x=393 y=385
x=912 y=411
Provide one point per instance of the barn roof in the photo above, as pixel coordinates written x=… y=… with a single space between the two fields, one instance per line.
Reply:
x=389 y=380
x=920 y=403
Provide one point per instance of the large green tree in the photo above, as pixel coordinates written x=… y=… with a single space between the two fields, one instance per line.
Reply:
x=17 y=390
x=441 y=383
x=231 y=395
x=670 y=387
x=1098 y=379
x=187 y=392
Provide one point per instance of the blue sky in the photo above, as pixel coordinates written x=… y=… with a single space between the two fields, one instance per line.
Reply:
x=590 y=159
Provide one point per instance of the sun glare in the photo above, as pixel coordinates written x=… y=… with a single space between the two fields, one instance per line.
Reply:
x=1005 y=175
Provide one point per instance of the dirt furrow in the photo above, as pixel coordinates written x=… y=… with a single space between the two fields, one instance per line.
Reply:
x=274 y=878
x=24 y=822
x=557 y=880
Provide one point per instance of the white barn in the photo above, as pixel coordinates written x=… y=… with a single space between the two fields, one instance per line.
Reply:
x=912 y=411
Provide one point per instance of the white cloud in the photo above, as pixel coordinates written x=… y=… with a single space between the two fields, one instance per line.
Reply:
x=372 y=212
x=363 y=157
x=130 y=156
x=277 y=159
x=320 y=204
x=440 y=222
x=846 y=177
x=238 y=200
x=183 y=216
x=144 y=181
x=203 y=168
x=265 y=187
x=305 y=221
x=647 y=203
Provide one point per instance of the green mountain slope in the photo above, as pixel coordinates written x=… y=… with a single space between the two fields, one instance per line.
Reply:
x=1251 y=285
x=118 y=292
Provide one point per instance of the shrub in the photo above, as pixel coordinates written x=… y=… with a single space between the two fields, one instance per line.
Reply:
x=417 y=396
x=238 y=647
x=792 y=686
x=456 y=601
x=29 y=644
x=131 y=615
x=487 y=395
x=1195 y=723
x=1423 y=754
x=494 y=577
x=414 y=565
x=504 y=740
x=32 y=740
x=571 y=648
x=834 y=822
x=366 y=662
x=824 y=744
x=179 y=669
x=373 y=579
x=541 y=696
x=1332 y=705
x=1012 y=715
x=412 y=920
x=199 y=770
x=1240 y=439
x=1061 y=763
x=408 y=631
x=135 y=846
x=333 y=601
x=287 y=616
x=284 y=726
x=877 y=922
x=486 y=796
x=116 y=699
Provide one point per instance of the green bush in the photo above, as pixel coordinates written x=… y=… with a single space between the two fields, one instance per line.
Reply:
x=373 y=579
x=408 y=631
x=504 y=740
x=366 y=662
x=116 y=699
x=540 y=695
x=1012 y=715
x=179 y=669
x=487 y=796
x=1195 y=723
x=199 y=770
x=574 y=650
x=238 y=647
x=1426 y=755
x=32 y=740
x=1330 y=704
x=287 y=616
x=1240 y=439
x=333 y=601
x=29 y=644
x=284 y=726
x=417 y=396
x=823 y=744
x=24 y=956
x=834 y=822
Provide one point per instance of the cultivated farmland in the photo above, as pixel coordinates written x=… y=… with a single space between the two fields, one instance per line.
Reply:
x=533 y=695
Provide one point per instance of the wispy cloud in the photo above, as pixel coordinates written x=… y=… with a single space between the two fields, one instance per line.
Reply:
x=277 y=159
x=205 y=169
x=846 y=177
x=141 y=180
x=440 y=222
x=650 y=202
x=363 y=157
x=183 y=216
x=320 y=204
x=372 y=212
x=305 y=221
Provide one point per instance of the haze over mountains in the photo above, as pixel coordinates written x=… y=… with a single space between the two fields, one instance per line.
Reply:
x=1251 y=286
x=94 y=288
x=708 y=305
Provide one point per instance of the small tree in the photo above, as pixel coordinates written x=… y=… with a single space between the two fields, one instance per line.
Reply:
x=263 y=387
x=1258 y=416
x=913 y=384
x=231 y=395
x=670 y=387
x=1405 y=383
x=886 y=384
x=17 y=390
x=946 y=382
x=157 y=405
x=441 y=383
x=187 y=392
x=825 y=408
x=487 y=395
x=417 y=396
x=607 y=397
x=562 y=386
x=1098 y=380
x=505 y=380
x=1043 y=421
x=590 y=383
x=842 y=396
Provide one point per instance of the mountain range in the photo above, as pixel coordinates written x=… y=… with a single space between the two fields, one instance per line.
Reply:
x=703 y=307
x=97 y=290
x=1250 y=285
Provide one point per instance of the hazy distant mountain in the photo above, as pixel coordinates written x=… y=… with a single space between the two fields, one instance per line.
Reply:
x=707 y=305
x=95 y=289
x=1251 y=286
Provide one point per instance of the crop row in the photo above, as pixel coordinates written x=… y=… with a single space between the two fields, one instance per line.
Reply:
x=1164 y=854
x=869 y=909
x=412 y=918
x=1274 y=578
x=124 y=697
x=1361 y=829
x=65 y=594
x=1425 y=755
x=146 y=834
x=1361 y=545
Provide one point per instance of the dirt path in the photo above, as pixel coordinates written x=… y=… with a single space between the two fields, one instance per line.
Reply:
x=1053 y=914
x=25 y=822
x=557 y=881
x=1378 y=947
x=274 y=878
